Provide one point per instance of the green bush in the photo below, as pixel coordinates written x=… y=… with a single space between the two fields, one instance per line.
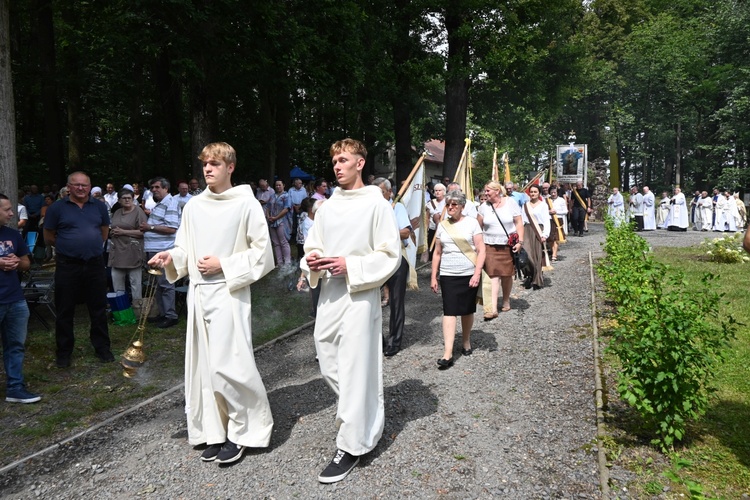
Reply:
x=727 y=249
x=668 y=336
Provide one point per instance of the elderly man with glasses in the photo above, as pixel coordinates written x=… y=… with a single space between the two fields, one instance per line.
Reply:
x=158 y=236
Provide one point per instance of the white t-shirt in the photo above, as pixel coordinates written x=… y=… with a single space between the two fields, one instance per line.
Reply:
x=435 y=207
x=493 y=233
x=22 y=213
x=453 y=262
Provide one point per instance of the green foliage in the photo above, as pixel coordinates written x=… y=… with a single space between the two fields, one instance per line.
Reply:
x=727 y=249
x=695 y=489
x=668 y=338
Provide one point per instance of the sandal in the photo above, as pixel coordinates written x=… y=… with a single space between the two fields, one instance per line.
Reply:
x=467 y=352
x=505 y=309
x=554 y=259
x=490 y=316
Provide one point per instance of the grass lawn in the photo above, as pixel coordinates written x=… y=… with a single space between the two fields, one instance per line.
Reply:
x=714 y=460
x=90 y=391
x=720 y=450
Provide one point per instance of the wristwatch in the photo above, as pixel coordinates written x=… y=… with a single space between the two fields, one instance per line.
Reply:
x=152 y=228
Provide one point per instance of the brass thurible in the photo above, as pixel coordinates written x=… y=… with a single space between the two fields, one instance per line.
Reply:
x=134 y=356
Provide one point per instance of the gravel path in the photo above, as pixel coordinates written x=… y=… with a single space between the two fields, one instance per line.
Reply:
x=516 y=419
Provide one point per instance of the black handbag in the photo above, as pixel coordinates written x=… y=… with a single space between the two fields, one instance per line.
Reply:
x=521 y=259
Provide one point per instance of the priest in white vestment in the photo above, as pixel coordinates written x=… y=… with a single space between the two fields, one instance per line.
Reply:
x=741 y=212
x=352 y=249
x=649 y=210
x=724 y=219
x=636 y=207
x=662 y=211
x=706 y=211
x=678 y=218
x=616 y=207
x=222 y=245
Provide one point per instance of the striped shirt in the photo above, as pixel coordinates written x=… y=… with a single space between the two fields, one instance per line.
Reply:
x=165 y=213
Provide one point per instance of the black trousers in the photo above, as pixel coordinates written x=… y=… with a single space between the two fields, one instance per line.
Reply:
x=76 y=282
x=430 y=237
x=639 y=223
x=578 y=217
x=397 y=288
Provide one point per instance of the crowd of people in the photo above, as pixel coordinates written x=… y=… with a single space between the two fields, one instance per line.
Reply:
x=350 y=242
x=720 y=212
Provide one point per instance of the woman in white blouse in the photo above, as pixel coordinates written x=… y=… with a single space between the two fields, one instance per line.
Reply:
x=536 y=221
x=560 y=208
x=498 y=261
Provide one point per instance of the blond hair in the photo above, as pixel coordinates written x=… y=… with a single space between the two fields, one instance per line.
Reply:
x=496 y=186
x=220 y=150
x=352 y=146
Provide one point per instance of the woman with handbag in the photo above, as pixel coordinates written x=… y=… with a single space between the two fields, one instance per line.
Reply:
x=499 y=218
x=458 y=261
x=536 y=220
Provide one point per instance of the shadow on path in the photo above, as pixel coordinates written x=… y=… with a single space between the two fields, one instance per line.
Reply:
x=292 y=402
x=405 y=402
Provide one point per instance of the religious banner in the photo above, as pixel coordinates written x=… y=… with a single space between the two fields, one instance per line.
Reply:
x=571 y=163
x=464 y=174
x=411 y=195
x=495 y=173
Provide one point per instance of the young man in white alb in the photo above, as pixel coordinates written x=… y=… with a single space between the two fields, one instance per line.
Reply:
x=352 y=249
x=222 y=245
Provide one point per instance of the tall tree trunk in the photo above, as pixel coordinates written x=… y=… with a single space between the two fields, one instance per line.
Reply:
x=668 y=170
x=71 y=59
x=283 y=144
x=267 y=128
x=401 y=51
x=53 y=142
x=402 y=126
x=625 y=184
x=137 y=125
x=678 y=155
x=202 y=127
x=457 y=86
x=75 y=133
x=8 y=168
x=614 y=160
x=170 y=103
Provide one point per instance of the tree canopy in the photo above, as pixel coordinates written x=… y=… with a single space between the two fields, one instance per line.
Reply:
x=131 y=89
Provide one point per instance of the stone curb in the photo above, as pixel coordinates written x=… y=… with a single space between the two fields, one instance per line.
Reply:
x=598 y=393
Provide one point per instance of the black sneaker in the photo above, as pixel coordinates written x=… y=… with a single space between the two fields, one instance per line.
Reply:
x=341 y=465
x=63 y=362
x=156 y=319
x=21 y=396
x=229 y=453
x=210 y=453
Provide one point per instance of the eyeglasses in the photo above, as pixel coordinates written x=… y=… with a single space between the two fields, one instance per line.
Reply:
x=452 y=205
x=79 y=186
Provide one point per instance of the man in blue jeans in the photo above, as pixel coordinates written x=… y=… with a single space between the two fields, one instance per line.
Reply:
x=14 y=313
